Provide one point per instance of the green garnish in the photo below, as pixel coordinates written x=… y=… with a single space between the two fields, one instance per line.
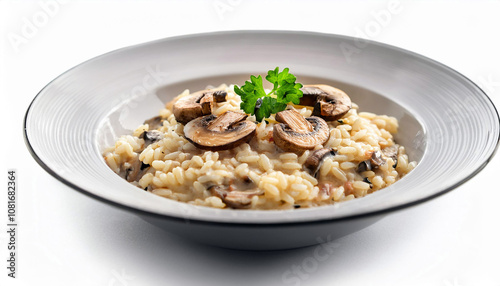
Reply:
x=254 y=99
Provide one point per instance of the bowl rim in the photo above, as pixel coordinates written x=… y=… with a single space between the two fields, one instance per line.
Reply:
x=261 y=224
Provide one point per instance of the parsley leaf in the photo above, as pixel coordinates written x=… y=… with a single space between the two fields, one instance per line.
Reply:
x=254 y=99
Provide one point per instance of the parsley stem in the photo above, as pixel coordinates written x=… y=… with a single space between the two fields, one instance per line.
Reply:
x=272 y=92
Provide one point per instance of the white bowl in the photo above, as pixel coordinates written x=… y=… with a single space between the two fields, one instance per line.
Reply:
x=447 y=124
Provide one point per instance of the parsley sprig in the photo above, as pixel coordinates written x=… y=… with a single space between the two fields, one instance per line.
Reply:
x=254 y=100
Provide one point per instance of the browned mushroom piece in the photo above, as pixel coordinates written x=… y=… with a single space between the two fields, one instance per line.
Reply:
x=197 y=104
x=392 y=152
x=207 y=103
x=297 y=134
x=222 y=132
x=375 y=161
x=364 y=166
x=134 y=169
x=154 y=122
x=379 y=158
x=232 y=198
x=315 y=159
x=329 y=102
x=220 y=95
x=151 y=137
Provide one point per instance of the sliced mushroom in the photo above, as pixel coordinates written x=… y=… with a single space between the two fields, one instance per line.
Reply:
x=375 y=161
x=315 y=159
x=207 y=103
x=222 y=132
x=197 y=104
x=297 y=134
x=364 y=166
x=379 y=158
x=232 y=198
x=220 y=95
x=154 y=122
x=134 y=170
x=329 y=103
x=151 y=137
x=392 y=152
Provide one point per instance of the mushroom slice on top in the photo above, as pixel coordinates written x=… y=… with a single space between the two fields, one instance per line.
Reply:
x=329 y=102
x=222 y=132
x=219 y=95
x=197 y=104
x=297 y=134
x=207 y=103
x=315 y=159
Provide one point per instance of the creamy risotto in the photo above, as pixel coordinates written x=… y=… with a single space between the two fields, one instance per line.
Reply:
x=203 y=150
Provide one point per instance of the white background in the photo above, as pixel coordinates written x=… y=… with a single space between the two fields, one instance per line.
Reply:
x=66 y=238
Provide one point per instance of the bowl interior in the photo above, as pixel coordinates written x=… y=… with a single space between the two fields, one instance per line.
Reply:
x=130 y=114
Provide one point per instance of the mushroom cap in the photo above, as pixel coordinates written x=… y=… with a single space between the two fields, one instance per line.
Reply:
x=329 y=103
x=197 y=104
x=297 y=134
x=222 y=132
